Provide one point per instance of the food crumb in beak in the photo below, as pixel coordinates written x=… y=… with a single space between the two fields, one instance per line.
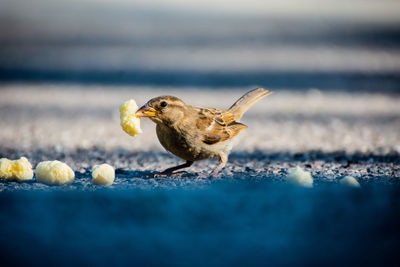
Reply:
x=130 y=122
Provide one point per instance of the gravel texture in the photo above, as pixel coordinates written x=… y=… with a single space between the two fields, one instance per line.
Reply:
x=329 y=134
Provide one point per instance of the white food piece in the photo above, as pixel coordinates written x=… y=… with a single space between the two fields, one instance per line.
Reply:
x=19 y=170
x=130 y=123
x=300 y=177
x=349 y=181
x=103 y=174
x=54 y=172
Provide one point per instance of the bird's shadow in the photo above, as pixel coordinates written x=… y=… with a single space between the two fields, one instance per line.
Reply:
x=124 y=173
x=121 y=173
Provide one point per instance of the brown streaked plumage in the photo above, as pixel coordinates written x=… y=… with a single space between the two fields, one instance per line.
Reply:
x=195 y=133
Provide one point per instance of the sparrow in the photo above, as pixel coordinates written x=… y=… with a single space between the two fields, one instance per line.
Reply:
x=196 y=133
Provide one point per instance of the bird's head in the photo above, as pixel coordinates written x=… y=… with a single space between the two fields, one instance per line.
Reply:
x=163 y=109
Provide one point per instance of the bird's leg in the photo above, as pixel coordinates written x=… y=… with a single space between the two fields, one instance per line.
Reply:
x=223 y=159
x=169 y=171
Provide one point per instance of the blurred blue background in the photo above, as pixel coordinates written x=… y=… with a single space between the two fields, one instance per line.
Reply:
x=322 y=44
x=226 y=224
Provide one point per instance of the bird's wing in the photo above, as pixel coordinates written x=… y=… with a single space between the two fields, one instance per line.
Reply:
x=217 y=125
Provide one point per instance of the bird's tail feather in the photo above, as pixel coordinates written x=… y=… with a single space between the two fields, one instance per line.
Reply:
x=246 y=101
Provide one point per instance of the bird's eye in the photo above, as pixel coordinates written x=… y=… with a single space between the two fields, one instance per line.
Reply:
x=163 y=104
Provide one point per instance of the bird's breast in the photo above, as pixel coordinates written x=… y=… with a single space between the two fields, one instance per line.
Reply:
x=184 y=143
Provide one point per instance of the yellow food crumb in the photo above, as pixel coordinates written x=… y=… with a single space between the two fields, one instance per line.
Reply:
x=129 y=121
x=20 y=169
x=349 y=181
x=103 y=174
x=54 y=172
x=300 y=177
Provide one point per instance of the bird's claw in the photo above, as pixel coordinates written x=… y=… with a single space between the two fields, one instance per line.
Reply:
x=160 y=175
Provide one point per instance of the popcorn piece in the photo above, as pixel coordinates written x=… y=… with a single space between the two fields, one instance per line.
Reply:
x=103 y=174
x=19 y=170
x=129 y=121
x=300 y=177
x=6 y=168
x=349 y=181
x=54 y=172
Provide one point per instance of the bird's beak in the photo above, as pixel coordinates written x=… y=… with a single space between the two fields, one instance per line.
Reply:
x=146 y=111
